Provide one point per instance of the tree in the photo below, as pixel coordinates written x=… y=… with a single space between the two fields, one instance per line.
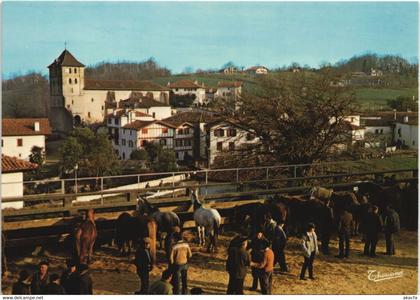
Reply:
x=37 y=156
x=93 y=154
x=140 y=154
x=166 y=161
x=153 y=149
x=297 y=119
x=403 y=103
x=181 y=100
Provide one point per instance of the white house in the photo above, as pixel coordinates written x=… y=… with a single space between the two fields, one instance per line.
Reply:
x=12 y=170
x=20 y=135
x=130 y=129
x=76 y=99
x=257 y=70
x=406 y=132
x=228 y=89
x=378 y=132
x=225 y=136
x=183 y=139
x=188 y=87
x=158 y=110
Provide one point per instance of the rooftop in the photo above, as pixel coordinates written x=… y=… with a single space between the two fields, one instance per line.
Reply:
x=141 y=124
x=141 y=102
x=13 y=164
x=190 y=117
x=66 y=59
x=184 y=83
x=125 y=85
x=18 y=127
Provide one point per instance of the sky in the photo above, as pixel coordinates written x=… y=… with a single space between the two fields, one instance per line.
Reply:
x=204 y=34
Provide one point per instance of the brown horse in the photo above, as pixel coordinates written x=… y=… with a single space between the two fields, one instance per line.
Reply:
x=85 y=236
x=130 y=229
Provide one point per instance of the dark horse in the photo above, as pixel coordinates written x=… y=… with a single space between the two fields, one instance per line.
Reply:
x=166 y=221
x=382 y=196
x=85 y=236
x=130 y=229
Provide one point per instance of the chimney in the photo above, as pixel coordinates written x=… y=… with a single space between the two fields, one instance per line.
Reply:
x=395 y=114
x=114 y=112
x=405 y=119
x=36 y=126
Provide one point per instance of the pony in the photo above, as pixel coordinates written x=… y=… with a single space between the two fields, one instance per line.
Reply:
x=166 y=221
x=85 y=237
x=206 y=219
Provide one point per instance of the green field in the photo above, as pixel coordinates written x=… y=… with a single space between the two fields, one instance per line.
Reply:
x=374 y=98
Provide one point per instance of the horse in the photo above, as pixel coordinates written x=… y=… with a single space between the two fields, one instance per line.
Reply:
x=206 y=219
x=85 y=236
x=130 y=229
x=166 y=221
x=382 y=196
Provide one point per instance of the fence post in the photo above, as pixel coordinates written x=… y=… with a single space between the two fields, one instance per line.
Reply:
x=294 y=172
x=63 y=186
x=207 y=180
x=173 y=185
x=102 y=189
x=237 y=175
x=266 y=178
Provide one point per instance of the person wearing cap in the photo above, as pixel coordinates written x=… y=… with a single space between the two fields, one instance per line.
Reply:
x=237 y=262
x=70 y=278
x=279 y=243
x=85 y=281
x=266 y=270
x=310 y=249
x=162 y=286
x=257 y=247
x=40 y=279
x=23 y=285
x=180 y=254
x=54 y=287
x=144 y=264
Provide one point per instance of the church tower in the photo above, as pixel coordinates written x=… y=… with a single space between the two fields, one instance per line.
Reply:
x=67 y=80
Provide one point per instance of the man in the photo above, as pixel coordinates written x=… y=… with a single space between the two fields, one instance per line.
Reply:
x=40 y=279
x=373 y=229
x=269 y=228
x=279 y=243
x=85 y=281
x=162 y=286
x=23 y=286
x=180 y=254
x=54 y=287
x=257 y=246
x=391 y=226
x=310 y=249
x=237 y=261
x=345 y=227
x=266 y=270
x=70 y=278
x=144 y=264
x=364 y=210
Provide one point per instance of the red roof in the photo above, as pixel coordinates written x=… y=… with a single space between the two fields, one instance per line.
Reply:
x=125 y=85
x=190 y=117
x=18 y=127
x=186 y=84
x=13 y=164
x=66 y=59
x=235 y=84
x=140 y=102
x=121 y=112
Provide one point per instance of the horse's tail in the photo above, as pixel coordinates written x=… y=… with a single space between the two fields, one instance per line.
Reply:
x=216 y=225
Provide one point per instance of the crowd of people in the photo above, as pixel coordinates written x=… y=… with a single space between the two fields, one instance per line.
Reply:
x=260 y=252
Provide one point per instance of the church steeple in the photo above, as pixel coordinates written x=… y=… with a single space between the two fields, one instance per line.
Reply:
x=66 y=59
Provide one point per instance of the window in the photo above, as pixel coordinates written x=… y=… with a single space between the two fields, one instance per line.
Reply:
x=376 y=131
x=2 y=143
x=164 y=130
x=123 y=155
x=123 y=131
x=75 y=80
x=109 y=121
x=399 y=132
x=75 y=70
x=231 y=146
x=219 y=132
x=180 y=131
x=144 y=131
x=188 y=142
x=154 y=115
x=130 y=144
x=219 y=146
x=131 y=132
x=143 y=143
x=19 y=142
x=382 y=131
x=123 y=142
x=92 y=100
x=88 y=114
x=231 y=132
x=414 y=142
x=117 y=121
x=163 y=142
x=186 y=131
x=69 y=80
x=70 y=70
x=116 y=152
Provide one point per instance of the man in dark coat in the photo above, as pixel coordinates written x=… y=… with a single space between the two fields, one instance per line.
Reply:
x=54 y=287
x=257 y=246
x=40 y=279
x=373 y=229
x=345 y=228
x=70 y=278
x=144 y=264
x=85 y=281
x=237 y=262
x=391 y=226
x=279 y=243
x=23 y=286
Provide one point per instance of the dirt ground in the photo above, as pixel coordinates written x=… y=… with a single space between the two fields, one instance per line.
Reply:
x=115 y=275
